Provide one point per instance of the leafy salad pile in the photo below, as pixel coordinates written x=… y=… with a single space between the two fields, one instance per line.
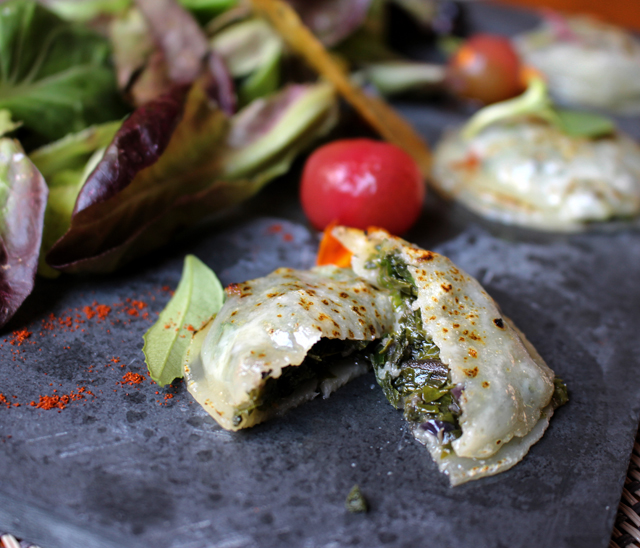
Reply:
x=124 y=121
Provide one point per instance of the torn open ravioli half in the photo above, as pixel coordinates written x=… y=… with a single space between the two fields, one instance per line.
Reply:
x=474 y=390
x=282 y=339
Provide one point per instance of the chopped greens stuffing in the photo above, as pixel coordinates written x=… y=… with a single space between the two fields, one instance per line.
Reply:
x=314 y=369
x=355 y=501
x=407 y=362
x=560 y=393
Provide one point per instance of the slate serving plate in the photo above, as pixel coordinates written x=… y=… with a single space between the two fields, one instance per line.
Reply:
x=130 y=467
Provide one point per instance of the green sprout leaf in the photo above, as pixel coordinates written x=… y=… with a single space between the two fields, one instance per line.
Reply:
x=535 y=102
x=198 y=298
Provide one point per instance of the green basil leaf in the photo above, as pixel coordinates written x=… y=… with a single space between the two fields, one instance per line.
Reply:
x=55 y=77
x=197 y=299
x=584 y=124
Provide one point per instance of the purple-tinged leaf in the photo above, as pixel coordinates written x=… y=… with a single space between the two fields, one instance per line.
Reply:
x=23 y=199
x=165 y=150
x=139 y=143
x=219 y=84
x=332 y=20
x=180 y=37
x=131 y=43
x=210 y=164
x=186 y=50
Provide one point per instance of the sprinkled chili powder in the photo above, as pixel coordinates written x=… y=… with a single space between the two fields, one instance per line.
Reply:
x=69 y=321
x=132 y=378
x=60 y=401
x=20 y=336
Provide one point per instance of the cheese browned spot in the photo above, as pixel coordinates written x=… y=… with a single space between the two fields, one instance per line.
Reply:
x=505 y=387
x=234 y=362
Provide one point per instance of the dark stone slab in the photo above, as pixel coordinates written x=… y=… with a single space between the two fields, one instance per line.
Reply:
x=132 y=467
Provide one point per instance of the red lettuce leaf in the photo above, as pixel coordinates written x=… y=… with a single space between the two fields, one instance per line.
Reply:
x=23 y=197
x=141 y=140
x=210 y=163
x=332 y=20
x=165 y=150
x=186 y=51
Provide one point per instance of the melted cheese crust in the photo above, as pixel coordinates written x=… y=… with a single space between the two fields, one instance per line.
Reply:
x=531 y=174
x=271 y=323
x=591 y=63
x=506 y=383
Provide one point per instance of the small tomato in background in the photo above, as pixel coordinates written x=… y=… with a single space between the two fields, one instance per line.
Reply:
x=362 y=183
x=486 y=68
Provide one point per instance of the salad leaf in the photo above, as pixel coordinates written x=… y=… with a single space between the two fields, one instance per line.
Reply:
x=85 y=10
x=132 y=44
x=7 y=125
x=332 y=20
x=186 y=50
x=394 y=77
x=72 y=151
x=197 y=299
x=182 y=40
x=535 y=101
x=140 y=193
x=204 y=10
x=251 y=50
x=377 y=113
x=23 y=198
x=55 y=77
x=66 y=164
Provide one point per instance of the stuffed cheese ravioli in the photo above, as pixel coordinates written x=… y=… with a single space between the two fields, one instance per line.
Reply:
x=282 y=339
x=586 y=62
x=528 y=172
x=475 y=391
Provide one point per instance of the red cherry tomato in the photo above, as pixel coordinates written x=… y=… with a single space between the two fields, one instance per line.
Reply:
x=485 y=68
x=362 y=183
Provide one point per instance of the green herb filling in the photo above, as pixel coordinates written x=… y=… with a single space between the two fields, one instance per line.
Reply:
x=407 y=362
x=314 y=369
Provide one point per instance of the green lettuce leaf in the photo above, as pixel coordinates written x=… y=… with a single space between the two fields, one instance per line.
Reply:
x=393 y=77
x=66 y=164
x=7 y=125
x=251 y=50
x=197 y=299
x=55 y=76
x=205 y=10
x=85 y=10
